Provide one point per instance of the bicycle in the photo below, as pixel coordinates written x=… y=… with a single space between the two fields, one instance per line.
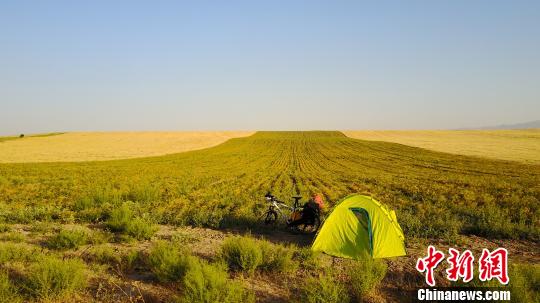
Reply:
x=276 y=211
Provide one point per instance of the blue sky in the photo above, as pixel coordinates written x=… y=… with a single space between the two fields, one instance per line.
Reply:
x=198 y=65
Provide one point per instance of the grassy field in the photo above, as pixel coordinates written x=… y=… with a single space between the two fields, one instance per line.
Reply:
x=95 y=146
x=514 y=145
x=125 y=224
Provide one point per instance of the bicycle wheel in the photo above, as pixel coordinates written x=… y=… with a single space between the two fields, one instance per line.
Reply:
x=271 y=217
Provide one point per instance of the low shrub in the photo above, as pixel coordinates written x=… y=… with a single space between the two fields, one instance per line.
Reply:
x=525 y=282
x=144 y=193
x=13 y=236
x=54 y=278
x=29 y=215
x=83 y=203
x=97 y=197
x=241 y=254
x=68 y=239
x=442 y=225
x=4 y=228
x=120 y=218
x=123 y=220
x=208 y=283
x=92 y=214
x=492 y=221
x=277 y=258
x=130 y=259
x=64 y=216
x=140 y=229
x=203 y=217
x=323 y=289
x=201 y=281
x=41 y=227
x=365 y=275
x=16 y=252
x=168 y=262
x=8 y=291
x=308 y=258
x=106 y=254
x=100 y=237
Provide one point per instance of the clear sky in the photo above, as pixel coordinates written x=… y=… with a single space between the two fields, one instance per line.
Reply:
x=200 y=65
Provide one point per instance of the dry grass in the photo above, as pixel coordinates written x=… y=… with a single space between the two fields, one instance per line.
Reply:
x=515 y=145
x=89 y=146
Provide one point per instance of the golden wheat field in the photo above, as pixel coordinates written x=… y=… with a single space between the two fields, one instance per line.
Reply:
x=90 y=146
x=521 y=145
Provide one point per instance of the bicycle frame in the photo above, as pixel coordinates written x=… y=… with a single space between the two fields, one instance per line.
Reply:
x=275 y=206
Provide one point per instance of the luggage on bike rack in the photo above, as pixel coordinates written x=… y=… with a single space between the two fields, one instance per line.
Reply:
x=296 y=215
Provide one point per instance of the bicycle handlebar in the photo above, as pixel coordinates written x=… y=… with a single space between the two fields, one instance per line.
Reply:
x=271 y=199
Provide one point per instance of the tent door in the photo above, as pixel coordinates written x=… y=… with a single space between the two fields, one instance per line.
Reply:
x=365 y=232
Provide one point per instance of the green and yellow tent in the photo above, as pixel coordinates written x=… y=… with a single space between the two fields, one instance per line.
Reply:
x=360 y=225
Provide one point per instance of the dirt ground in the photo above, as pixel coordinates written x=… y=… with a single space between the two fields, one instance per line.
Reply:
x=139 y=285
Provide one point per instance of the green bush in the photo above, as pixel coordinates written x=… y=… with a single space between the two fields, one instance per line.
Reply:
x=13 y=236
x=4 y=228
x=8 y=291
x=202 y=282
x=97 y=196
x=83 y=203
x=92 y=215
x=441 y=225
x=41 y=227
x=62 y=215
x=140 y=229
x=123 y=220
x=120 y=218
x=54 y=278
x=168 y=262
x=525 y=282
x=323 y=289
x=241 y=253
x=104 y=254
x=308 y=258
x=100 y=237
x=130 y=259
x=365 y=275
x=143 y=193
x=17 y=252
x=207 y=283
x=277 y=258
x=493 y=221
x=68 y=239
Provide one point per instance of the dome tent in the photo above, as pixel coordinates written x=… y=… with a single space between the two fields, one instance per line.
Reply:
x=360 y=225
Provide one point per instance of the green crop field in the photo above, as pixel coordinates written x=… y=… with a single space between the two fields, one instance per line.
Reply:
x=437 y=197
